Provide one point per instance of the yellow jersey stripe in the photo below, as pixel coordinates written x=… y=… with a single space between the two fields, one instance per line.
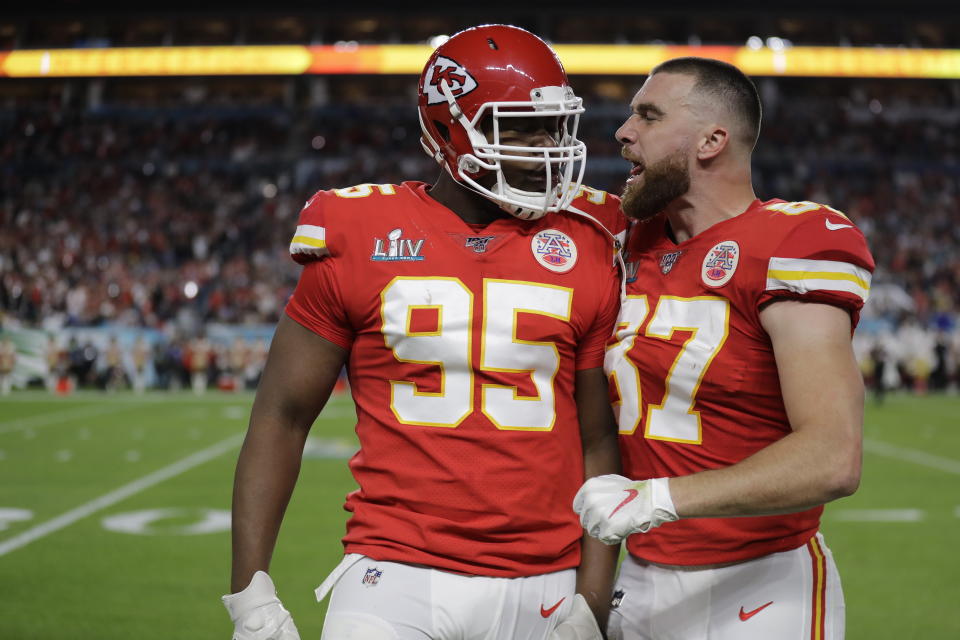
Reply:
x=310 y=242
x=817 y=266
x=799 y=276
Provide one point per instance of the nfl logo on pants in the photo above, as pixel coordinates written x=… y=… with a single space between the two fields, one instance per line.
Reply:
x=372 y=577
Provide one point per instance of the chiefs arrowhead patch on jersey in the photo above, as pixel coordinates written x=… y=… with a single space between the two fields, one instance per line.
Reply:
x=554 y=250
x=720 y=263
x=459 y=81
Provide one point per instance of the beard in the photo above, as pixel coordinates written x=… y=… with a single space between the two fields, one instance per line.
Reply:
x=663 y=182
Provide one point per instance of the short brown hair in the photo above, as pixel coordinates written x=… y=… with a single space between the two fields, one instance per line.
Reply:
x=723 y=81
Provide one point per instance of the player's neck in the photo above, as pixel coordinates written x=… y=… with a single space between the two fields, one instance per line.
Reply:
x=702 y=207
x=471 y=207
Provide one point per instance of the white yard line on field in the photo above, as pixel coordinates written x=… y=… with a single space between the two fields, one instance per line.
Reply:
x=66 y=415
x=911 y=455
x=878 y=515
x=88 y=397
x=117 y=495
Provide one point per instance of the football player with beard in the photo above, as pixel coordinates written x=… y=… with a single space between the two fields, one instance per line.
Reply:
x=472 y=316
x=738 y=398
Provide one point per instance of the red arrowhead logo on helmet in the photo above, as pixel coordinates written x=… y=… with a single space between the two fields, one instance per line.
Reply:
x=454 y=74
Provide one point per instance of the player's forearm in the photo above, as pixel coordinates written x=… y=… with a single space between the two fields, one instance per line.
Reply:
x=266 y=474
x=299 y=374
x=601 y=454
x=598 y=565
x=598 y=561
x=800 y=471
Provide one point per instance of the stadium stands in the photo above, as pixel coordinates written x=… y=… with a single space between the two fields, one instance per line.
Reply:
x=168 y=203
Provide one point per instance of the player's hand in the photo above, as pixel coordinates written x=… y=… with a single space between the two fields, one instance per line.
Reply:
x=612 y=507
x=258 y=614
x=579 y=623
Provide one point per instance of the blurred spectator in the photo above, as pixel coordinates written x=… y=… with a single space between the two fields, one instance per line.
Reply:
x=114 y=376
x=81 y=360
x=238 y=357
x=256 y=359
x=55 y=358
x=199 y=357
x=939 y=377
x=878 y=357
x=168 y=359
x=8 y=360
x=141 y=358
x=915 y=346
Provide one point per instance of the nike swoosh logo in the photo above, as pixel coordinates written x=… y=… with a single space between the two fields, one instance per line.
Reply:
x=631 y=494
x=746 y=615
x=546 y=613
x=834 y=226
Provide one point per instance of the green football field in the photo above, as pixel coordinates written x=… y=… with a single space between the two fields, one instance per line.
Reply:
x=114 y=514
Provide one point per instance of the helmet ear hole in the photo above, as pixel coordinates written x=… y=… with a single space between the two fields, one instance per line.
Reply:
x=443 y=130
x=485 y=126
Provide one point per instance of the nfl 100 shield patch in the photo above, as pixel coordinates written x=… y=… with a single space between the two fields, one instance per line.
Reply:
x=554 y=250
x=667 y=260
x=720 y=263
x=477 y=243
x=396 y=248
x=372 y=577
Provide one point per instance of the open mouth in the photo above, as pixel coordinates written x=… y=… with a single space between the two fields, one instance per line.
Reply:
x=636 y=171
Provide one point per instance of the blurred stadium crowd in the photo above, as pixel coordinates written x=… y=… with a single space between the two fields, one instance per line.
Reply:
x=67 y=23
x=168 y=203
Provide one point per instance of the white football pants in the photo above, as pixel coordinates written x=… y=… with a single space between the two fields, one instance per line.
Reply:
x=791 y=595
x=375 y=600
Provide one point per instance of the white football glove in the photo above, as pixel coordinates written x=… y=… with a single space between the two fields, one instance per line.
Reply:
x=258 y=614
x=612 y=507
x=579 y=623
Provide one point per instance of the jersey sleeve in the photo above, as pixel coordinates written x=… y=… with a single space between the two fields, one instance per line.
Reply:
x=309 y=241
x=592 y=346
x=317 y=305
x=822 y=259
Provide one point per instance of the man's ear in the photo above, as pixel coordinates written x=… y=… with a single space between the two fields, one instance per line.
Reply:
x=713 y=142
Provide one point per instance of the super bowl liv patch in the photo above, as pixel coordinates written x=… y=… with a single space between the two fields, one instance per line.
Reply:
x=554 y=250
x=396 y=248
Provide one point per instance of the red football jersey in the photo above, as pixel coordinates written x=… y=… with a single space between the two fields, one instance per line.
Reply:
x=693 y=374
x=464 y=342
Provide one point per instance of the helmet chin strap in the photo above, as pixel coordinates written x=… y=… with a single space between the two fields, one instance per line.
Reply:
x=523 y=213
x=524 y=205
x=535 y=210
x=537 y=207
